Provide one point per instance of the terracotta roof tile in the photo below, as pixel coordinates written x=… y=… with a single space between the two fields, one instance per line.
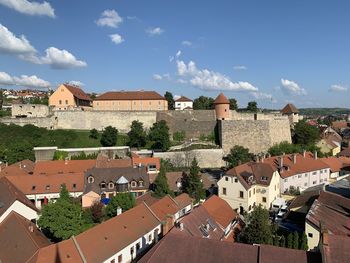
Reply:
x=289 y=108
x=63 y=167
x=130 y=95
x=165 y=206
x=183 y=200
x=336 y=249
x=221 y=99
x=147 y=198
x=183 y=99
x=77 y=92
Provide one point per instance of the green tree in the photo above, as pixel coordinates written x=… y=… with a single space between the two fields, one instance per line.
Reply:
x=169 y=97
x=284 y=147
x=252 y=106
x=109 y=136
x=305 y=134
x=238 y=154
x=276 y=241
x=258 y=229
x=290 y=240
x=295 y=240
x=137 y=135
x=192 y=183
x=303 y=242
x=233 y=104
x=161 y=186
x=93 y=134
x=159 y=134
x=62 y=219
x=125 y=201
x=179 y=136
x=1 y=98
x=203 y=103
x=283 y=241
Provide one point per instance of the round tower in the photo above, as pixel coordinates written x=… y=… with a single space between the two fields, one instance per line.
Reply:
x=222 y=107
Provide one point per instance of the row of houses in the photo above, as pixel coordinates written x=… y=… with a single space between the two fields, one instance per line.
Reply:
x=263 y=181
x=69 y=97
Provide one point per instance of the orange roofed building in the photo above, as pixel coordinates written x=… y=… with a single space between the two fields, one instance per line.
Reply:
x=69 y=97
x=130 y=101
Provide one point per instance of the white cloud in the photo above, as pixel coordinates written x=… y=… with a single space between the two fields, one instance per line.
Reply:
x=263 y=96
x=178 y=54
x=30 y=8
x=116 y=38
x=182 y=81
x=153 y=31
x=157 y=77
x=109 y=18
x=240 y=67
x=24 y=80
x=76 y=83
x=186 y=43
x=9 y=43
x=292 y=88
x=210 y=80
x=56 y=58
x=338 y=88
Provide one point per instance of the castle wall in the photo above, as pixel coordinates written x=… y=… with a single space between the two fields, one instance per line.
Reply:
x=30 y=110
x=42 y=122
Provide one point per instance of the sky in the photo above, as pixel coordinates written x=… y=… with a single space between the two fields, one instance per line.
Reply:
x=271 y=51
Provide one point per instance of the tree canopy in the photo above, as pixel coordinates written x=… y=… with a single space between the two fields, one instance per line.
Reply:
x=62 y=219
x=192 y=183
x=203 y=103
x=233 y=104
x=258 y=230
x=238 y=154
x=305 y=134
x=137 y=135
x=159 y=134
x=125 y=201
x=94 y=134
x=252 y=106
x=109 y=136
x=169 y=97
x=161 y=186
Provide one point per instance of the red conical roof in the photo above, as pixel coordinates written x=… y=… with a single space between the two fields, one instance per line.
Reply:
x=221 y=99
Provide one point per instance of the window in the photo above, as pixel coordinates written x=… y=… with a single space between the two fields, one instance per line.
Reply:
x=314 y=173
x=91 y=179
x=226 y=178
x=314 y=182
x=305 y=175
x=74 y=186
x=110 y=185
x=152 y=167
x=103 y=185
x=264 y=199
x=113 y=261
x=138 y=246
x=236 y=180
x=140 y=183
x=149 y=237
x=299 y=176
x=310 y=235
x=62 y=90
x=241 y=194
x=133 y=184
x=285 y=180
x=305 y=184
x=132 y=250
x=254 y=191
x=321 y=171
x=66 y=101
x=224 y=191
x=120 y=258
x=60 y=102
x=250 y=194
x=249 y=208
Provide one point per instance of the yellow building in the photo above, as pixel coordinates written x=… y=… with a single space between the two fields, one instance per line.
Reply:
x=249 y=185
x=68 y=97
x=130 y=101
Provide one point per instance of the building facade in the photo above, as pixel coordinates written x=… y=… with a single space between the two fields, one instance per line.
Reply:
x=68 y=97
x=183 y=103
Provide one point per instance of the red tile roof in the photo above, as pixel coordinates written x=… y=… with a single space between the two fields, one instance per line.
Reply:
x=345 y=152
x=183 y=99
x=63 y=167
x=220 y=210
x=19 y=239
x=77 y=92
x=130 y=95
x=336 y=249
x=289 y=108
x=221 y=99
x=164 y=207
x=147 y=198
x=338 y=125
x=183 y=200
x=336 y=164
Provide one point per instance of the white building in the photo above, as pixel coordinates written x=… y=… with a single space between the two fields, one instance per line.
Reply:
x=183 y=103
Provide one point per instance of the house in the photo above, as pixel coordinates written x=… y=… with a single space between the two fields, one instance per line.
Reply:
x=183 y=103
x=12 y=199
x=130 y=101
x=345 y=152
x=339 y=167
x=329 y=213
x=67 y=97
x=339 y=125
x=100 y=183
x=248 y=185
x=152 y=164
x=330 y=144
x=20 y=239
x=292 y=112
x=176 y=247
x=123 y=238
x=340 y=187
x=62 y=167
x=299 y=171
x=335 y=248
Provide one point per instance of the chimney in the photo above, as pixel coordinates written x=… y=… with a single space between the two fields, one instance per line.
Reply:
x=304 y=153
x=31 y=228
x=281 y=163
x=315 y=155
x=66 y=160
x=294 y=158
x=262 y=158
x=119 y=211
x=181 y=226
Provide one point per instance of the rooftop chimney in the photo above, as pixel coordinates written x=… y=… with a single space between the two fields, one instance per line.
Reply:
x=294 y=158
x=181 y=226
x=315 y=155
x=304 y=153
x=66 y=160
x=281 y=163
x=119 y=211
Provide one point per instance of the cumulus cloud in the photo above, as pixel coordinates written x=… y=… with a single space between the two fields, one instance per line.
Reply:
x=292 y=88
x=56 y=58
x=76 y=83
x=24 y=80
x=109 y=18
x=240 y=67
x=30 y=8
x=263 y=96
x=161 y=77
x=186 y=43
x=153 y=31
x=178 y=54
x=210 y=80
x=116 y=38
x=182 y=81
x=338 y=88
x=11 y=44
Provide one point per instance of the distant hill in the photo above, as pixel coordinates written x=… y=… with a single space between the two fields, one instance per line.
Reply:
x=324 y=111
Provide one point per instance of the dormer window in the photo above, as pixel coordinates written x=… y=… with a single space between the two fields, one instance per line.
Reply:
x=103 y=185
x=133 y=184
x=110 y=185
x=263 y=178
x=141 y=183
x=91 y=179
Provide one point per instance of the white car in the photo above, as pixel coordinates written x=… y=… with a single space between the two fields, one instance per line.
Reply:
x=281 y=213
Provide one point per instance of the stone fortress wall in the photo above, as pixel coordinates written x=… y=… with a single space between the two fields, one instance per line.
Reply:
x=258 y=132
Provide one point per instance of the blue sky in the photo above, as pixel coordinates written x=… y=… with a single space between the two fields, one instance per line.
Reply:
x=270 y=51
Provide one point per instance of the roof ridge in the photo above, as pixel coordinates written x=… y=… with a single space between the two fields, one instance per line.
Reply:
x=173 y=199
x=152 y=212
x=76 y=244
